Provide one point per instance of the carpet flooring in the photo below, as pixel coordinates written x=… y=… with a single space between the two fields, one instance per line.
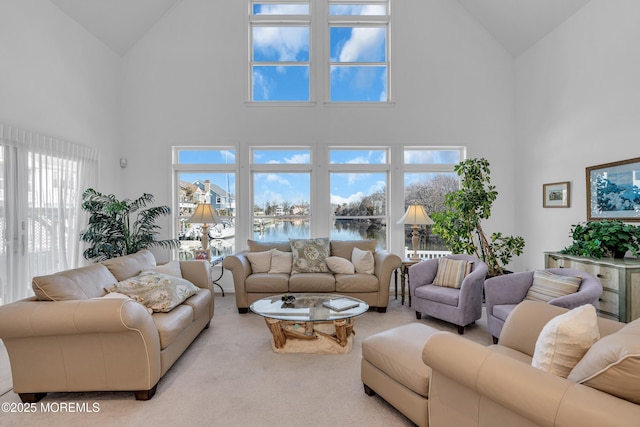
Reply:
x=230 y=376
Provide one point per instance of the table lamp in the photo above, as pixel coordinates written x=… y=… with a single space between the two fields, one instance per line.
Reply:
x=203 y=215
x=415 y=215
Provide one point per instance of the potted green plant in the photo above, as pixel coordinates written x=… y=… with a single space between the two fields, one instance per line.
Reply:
x=459 y=225
x=596 y=239
x=113 y=231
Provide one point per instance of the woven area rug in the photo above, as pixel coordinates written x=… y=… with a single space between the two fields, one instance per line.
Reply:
x=230 y=376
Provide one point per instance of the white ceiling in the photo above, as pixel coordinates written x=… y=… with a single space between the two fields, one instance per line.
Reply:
x=516 y=24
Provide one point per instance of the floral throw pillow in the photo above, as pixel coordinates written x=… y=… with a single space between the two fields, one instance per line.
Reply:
x=157 y=291
x=309 y=255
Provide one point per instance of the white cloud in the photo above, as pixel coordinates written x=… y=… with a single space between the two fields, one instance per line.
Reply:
x=277 y=179
x=302 y=158
x=261 y=85
x=365 y=44
x=339 y=200
x=286 y=42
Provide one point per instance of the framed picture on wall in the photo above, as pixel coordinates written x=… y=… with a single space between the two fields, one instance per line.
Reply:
x=556 y=195
x=613 y=191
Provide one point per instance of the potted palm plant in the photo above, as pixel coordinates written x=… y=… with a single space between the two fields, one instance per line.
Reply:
x=113 y=229
x=459 y=225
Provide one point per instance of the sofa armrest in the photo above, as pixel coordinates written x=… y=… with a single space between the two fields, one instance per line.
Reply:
x=522 y=389
x=197 y=272
x=507 y=288
x=240 y=268
x=32 y=318
x=385 y=263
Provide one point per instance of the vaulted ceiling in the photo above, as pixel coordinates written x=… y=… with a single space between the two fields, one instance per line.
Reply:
x=516 y=24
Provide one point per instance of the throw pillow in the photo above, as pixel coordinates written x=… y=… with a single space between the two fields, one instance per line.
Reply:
x=340 y=265
x=362 y=261
x=451 y=272
x=547 y=286
x=157 y=291
x=172 y=268
x=309 y=255
x=565 y=339
x=612 y=364
x=281 y=261
x=260 y=261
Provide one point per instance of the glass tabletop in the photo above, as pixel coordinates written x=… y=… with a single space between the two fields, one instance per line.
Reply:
x=309 y=307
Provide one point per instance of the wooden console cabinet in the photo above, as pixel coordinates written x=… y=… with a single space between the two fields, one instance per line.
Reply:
x=620 y=280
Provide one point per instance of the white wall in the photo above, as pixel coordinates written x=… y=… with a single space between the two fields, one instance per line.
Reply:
x=185 y=83
x=58 y=80
x=578 y=105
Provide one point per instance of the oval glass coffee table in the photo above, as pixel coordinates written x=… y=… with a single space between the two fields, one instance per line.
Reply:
x=307 y=324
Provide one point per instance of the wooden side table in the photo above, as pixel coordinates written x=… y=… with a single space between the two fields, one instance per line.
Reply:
x=404 y=274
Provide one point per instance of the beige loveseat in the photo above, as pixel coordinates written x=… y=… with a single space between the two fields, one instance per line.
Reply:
x=71 y=337
x=371 y=288
x=474 y=385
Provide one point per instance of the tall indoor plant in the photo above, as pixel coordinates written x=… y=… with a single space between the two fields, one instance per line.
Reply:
x=459 y=225
x=114 y=231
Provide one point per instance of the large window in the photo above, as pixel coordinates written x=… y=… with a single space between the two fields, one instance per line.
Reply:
x=281 y=193
x=358 y=188
x=292 y=43
x=345 y=192
x=428 y=176
x=206 y=175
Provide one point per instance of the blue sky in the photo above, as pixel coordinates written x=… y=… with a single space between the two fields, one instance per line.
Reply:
x=294 y=188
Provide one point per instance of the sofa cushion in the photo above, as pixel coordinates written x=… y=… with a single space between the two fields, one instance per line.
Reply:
x=281 y=261
x=344 y=248
x=312 y=282
x=172 y=268
x=309 y=255
x=267 y=282
x=451 y=272
x=358 y=282
x=255 y=246
x=260 y=261
x=362 y=261
x=565 y=339
x=199 y=303
x=156 y=291
x=79 y=283
x=612 y=364
x=441 y=294
x=340 y=265
x=502 y=311
x=171 y=325
x=130 y=265
x=547 y=286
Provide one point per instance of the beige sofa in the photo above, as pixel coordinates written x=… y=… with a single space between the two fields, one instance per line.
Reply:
x=82 y=340
x=371 y=288
x=473 y=385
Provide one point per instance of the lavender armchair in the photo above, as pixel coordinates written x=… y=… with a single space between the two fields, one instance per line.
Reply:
x=503 y=293
x=458 y=306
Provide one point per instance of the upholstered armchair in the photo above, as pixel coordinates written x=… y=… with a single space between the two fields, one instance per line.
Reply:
x=460 y=306
x=503 y=293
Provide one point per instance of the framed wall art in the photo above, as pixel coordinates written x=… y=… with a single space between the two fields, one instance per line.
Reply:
x=556 y=195
x=613 y=191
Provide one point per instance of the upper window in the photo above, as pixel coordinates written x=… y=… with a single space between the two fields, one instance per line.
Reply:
x=280 y=55
x=351 y=43
x=358 y=45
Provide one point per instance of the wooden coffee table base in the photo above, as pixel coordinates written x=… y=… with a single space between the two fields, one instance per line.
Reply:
x=333 y=337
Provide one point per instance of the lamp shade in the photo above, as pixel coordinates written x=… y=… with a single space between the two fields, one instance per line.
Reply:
x=415 y=215
x=203 y=215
